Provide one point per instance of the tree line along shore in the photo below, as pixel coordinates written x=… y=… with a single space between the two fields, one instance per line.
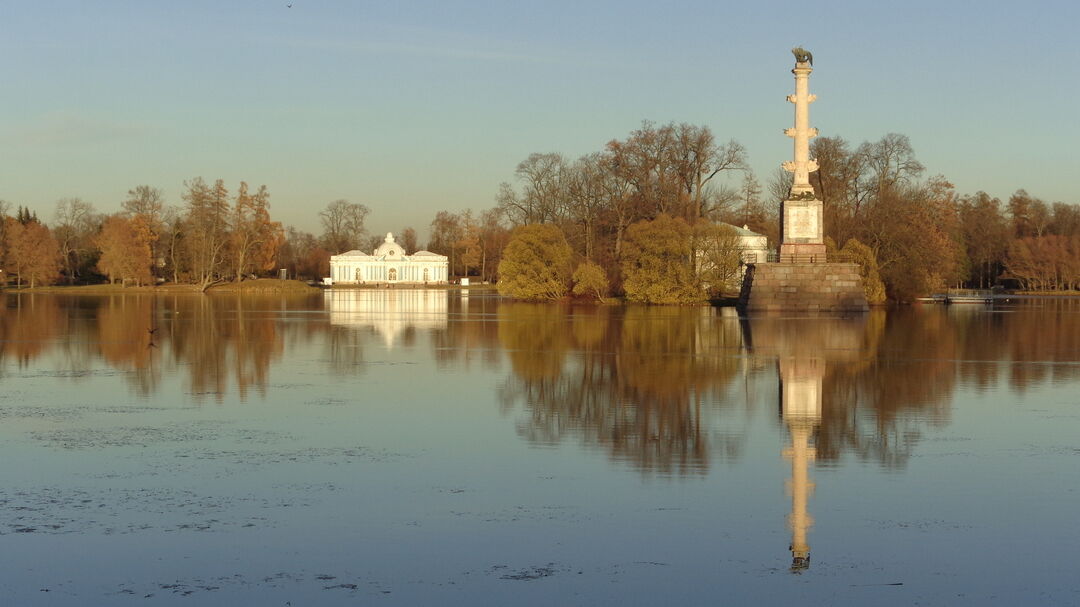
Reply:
x=646 y=217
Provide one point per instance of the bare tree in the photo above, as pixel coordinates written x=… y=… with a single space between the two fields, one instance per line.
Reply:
x=719 y=203
x=891 y=162
x=586 y=197
x=543 y=190
x=408 y=240
x=446 y=232
x=172 y=242
x=750 y=197
x=75 y=222
x=343 y=225
x=206 y=235
x=698 y=160
x=645 y=160
x=670 y=167
x=494 y=237
x=149 y=202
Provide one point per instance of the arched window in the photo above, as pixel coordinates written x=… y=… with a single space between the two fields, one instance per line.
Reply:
x=392 y=275
x=427 y=274
x=359 y=275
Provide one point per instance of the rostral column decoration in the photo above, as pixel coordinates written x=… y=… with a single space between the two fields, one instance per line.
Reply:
x=801 y=229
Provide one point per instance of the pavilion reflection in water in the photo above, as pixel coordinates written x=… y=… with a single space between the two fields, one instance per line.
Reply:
x=389 y=312
x=802 y=350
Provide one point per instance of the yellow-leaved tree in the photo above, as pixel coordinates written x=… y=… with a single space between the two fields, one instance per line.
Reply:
x=590 y=281
x=657 y=262
x=856 y=252
x=535 y=263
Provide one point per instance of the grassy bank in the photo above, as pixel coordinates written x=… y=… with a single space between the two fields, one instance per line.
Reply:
x=106 y=289
x=1047 y=293
x=259 y=286
x=265 y=285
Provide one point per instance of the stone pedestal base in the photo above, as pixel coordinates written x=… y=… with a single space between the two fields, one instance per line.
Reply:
x=802 y=253
x=803 y=287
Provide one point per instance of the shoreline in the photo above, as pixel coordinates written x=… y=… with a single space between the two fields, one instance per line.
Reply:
x=258 y=286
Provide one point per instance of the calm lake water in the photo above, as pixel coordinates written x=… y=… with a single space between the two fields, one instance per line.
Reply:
x=436 y=447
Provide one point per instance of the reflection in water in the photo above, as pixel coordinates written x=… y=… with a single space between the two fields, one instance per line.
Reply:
x=214 y=340
x=662 y=391
x=27 y=325
x=804 y=349
x=394 y=316
x=471 y=337
x=642 y=382
x=800 y=405
x=667 y=389
x=223 y=338
x=129 y=334
x=392 y=313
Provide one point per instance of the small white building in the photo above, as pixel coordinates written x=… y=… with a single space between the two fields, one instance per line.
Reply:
x=388 y=264
x=753 y=247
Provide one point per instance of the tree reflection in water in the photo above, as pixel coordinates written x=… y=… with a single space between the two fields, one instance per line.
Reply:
x=639 y=381
x=27 y=326
x=216 y=340
x=222 y=338
x=661 y=387
x=129 y=333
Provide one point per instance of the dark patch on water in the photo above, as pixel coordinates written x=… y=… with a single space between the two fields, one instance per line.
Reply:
x=328 y=455
x=51 y=510
x=925 y=525
x=527 y=573
x=128 y=436
x=279 y=580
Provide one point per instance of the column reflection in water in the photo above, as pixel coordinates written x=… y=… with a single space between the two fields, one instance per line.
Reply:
x=800 y=409
x=805 y=350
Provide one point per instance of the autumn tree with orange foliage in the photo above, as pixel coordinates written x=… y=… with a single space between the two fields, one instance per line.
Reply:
x=126 y=252
x=255 y=239
x=1046 y=263
x=30 y=253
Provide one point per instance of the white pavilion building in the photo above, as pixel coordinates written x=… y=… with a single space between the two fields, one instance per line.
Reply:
x=388 y=264
x=753 y=247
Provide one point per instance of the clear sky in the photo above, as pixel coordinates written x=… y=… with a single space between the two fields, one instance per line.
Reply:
x=415 y=107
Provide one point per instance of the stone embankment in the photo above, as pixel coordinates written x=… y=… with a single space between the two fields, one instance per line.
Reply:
x=803 y=287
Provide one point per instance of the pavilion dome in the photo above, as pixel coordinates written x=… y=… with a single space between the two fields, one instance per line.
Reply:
x=389 y=248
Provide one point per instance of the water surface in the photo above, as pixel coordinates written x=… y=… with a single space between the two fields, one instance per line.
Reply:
x=436 y=447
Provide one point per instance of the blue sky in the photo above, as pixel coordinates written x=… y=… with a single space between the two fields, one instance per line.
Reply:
x=416 y=107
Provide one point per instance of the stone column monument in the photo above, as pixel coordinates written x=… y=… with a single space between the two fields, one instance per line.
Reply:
x=803 y=280
x=801 y=225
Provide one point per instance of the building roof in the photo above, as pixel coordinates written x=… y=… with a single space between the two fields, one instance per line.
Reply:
x=745 y=231
x=389 y=248
x=352 y=253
